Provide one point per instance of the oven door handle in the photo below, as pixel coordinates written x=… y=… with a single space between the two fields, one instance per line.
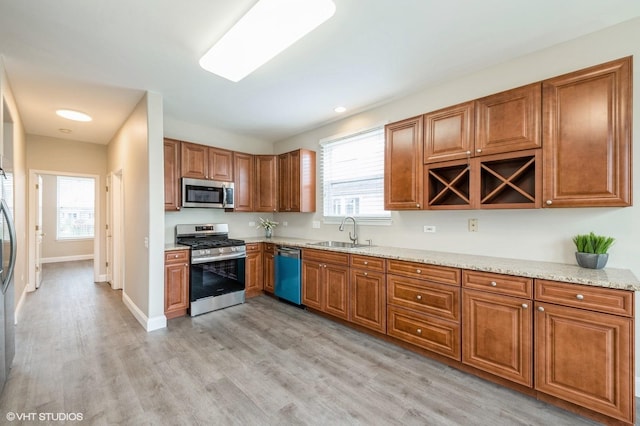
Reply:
x=210 y=259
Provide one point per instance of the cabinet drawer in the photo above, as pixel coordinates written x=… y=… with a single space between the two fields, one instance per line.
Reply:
x=434 y=334
x=498 y=283
x=367 y=262
x=439 y=300
x=253 y=247
x=607 y=300
x=440 y=274
x=176 y=256
x=326 y=257
x=269 y=248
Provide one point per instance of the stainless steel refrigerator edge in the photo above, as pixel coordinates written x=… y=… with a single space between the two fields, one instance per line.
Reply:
x=7 y=264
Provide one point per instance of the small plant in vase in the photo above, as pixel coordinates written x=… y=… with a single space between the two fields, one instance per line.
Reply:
x=591 y=250
x=267 y=225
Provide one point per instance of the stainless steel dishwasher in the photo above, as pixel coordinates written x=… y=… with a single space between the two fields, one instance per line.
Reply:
x=288 y=277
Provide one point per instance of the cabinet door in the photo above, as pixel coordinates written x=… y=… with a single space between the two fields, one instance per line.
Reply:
x=368 y=299
x=586 y=358
x=244 y=182
x=312 y=273
x=497 y=335
x=171 y=174
x=266 y=190
x=253 y=270
x=587 y=137
x=336 y=286
x=403 y=165
x=284 y=183
x=176 y=283
x=220 y=164
x=509 y=121
x=194 y=161
x=269 y=268
x=448 y=133
x=294 y=181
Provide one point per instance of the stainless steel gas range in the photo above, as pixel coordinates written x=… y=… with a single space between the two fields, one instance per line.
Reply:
x=217 y=271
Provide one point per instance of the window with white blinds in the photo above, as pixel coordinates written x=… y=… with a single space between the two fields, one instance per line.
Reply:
x=352 y=177
x=76 y=216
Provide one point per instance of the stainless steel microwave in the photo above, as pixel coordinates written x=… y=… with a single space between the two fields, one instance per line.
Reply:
x=207 y=194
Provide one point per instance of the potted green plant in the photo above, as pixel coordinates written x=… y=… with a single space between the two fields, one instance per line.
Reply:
x=591 y=250
x=268 y=226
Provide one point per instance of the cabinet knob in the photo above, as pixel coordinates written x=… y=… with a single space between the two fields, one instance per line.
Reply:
x=494 y=284
x=366 y=263
x=419 y=297
x=549 y=202
x=419 y=271
x=178 y=208
x=525 y=306
x=579 y=297
x=478 y=150
x=324 y=266
x=419 y=331
x=468 y=152
x=540 y=308
x=366 y=273
x=418 y=205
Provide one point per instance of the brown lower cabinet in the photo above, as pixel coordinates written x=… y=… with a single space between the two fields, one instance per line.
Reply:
x=367 y=293
x=176 y=283
x=492 y=325
x=268 y=262
x=253 y=270
x=325 y=282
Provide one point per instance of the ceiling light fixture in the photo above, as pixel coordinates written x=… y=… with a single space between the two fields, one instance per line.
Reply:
x=70 y=114
x=266 y=30
x=340 y=109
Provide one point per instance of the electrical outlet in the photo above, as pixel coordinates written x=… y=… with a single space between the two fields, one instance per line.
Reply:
x=285 y=223
x=429 y=228
x=473 y=225
x=316 y=224
x=252 y=224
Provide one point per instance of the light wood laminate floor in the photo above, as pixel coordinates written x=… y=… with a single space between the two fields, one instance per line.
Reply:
x=79 y=350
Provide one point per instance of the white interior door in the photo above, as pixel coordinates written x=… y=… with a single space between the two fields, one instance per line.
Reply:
x=39 y=233
x=108 y=234
x=115 y=236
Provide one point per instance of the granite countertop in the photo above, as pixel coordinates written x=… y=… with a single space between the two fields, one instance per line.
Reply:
x=609 y=277
x=173 y=247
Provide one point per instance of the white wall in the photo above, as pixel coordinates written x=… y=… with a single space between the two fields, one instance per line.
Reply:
x=136 y=150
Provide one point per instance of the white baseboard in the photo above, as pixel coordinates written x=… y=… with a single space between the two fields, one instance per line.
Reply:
x=149 y=324
x=21 y=300
x=66 y=258
x=102 y=278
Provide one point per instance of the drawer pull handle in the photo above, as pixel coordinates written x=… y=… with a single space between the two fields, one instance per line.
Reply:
x=419 y=297
x=366 y=273
x=419 y=331
x=580 y=297
x=366 y=263
x=419 y=271
x=494 y=284
x=525 y=306
x=540 y=308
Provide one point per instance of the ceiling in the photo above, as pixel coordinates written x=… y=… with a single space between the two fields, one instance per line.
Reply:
x=100 y=56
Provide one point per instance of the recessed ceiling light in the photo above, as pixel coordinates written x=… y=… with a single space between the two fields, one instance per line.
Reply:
x=266 y=30
x=65 y=130
x=340 y=109
x=73 y=115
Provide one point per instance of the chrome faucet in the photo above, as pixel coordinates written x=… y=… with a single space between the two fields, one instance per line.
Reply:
x=354 y=239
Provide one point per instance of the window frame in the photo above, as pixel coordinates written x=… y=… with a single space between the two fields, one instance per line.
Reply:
x=382 y=220
x=93 y=207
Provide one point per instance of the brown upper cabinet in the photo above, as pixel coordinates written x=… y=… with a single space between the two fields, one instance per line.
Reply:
x=205 y=162
x=297 y=181
x=587 y=137
x=266 y=191
x=171 y=175
x=504 y=122
x=244 y=182
x=403 y=165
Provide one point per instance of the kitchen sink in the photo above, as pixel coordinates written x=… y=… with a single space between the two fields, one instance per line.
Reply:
x=340 y=244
